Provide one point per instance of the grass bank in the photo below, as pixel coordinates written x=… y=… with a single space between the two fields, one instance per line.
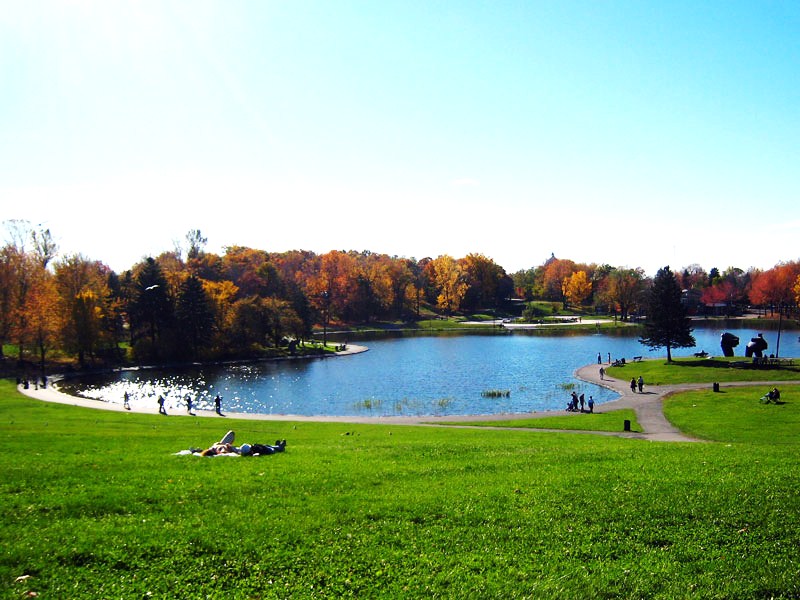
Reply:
x=702 y=370
x=600 y=420
x=95 y=504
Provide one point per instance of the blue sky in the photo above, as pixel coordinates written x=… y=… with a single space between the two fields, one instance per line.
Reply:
x=637 y=134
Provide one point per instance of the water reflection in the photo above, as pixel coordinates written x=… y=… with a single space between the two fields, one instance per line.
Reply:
x=443 y=375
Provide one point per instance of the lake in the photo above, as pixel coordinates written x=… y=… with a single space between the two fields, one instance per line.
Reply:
x=410 y=375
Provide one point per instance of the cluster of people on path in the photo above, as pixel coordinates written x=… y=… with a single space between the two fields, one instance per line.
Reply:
x=637 y=383
x=579 y=403
x=188 y=400
x=26 y=382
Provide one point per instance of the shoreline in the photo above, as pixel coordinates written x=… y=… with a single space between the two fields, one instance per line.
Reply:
x=647 y=405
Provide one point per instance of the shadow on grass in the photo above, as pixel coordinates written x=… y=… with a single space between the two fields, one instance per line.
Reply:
x=740 y=364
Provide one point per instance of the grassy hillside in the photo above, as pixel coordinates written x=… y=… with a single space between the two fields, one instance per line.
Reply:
x=96 y=504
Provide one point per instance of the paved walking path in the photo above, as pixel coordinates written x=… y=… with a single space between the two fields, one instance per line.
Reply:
x=649 y=404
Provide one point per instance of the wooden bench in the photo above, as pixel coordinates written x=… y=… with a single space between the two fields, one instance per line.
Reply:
x=637 y=359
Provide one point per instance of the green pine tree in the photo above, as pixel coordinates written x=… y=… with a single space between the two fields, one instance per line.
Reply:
x=667 y=325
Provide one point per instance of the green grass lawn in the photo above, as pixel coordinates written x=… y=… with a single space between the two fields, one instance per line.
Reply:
x=737 y=415
x=96 y=505
x=601 y=420
x=701 y=370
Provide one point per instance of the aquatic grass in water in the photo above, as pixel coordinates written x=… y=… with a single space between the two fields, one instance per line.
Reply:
x=369 y=404
x=496 y=394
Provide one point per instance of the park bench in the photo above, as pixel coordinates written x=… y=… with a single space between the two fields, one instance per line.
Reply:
x=637 y=359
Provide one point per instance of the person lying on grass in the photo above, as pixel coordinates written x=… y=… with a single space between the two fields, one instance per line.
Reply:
x=225 y=447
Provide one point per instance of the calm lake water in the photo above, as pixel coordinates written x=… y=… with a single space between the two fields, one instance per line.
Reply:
x=446 y=375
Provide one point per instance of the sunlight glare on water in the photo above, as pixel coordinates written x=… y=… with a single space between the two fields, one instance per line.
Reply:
x=446 y=375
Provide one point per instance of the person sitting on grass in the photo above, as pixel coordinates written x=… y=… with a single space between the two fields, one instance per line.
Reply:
x=771 y=396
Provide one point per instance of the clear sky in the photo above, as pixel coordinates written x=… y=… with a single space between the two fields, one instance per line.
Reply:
x=636 y=134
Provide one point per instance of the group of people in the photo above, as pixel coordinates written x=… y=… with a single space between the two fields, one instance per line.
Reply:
x=188 y=400
x=579 y=404
x=637 y=383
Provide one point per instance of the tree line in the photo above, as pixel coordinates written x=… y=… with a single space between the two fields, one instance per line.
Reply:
x=190 y=304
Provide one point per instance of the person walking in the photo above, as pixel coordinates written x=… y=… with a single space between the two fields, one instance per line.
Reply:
x=189 y=404
x=218 y=405
x=591 y=404
x=602 y=373
x=641 y=384
x=161 y=405
x=599 y=358
x=633 y=384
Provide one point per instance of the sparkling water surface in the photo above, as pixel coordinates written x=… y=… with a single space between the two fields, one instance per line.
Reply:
x=446 y=375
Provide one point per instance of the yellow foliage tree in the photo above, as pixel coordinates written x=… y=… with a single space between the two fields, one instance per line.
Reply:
x=577 y=288
x=449 y=277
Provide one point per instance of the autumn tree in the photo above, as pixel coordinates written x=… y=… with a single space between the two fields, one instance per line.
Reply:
x=259 y=322
x=401 y=280
x=44 y=316
x=19 y=268
x=578 y=288
x=9 y=263
x=667 y=325
x=487 y=282
x=242 y=266
x=372 y=294
x=83 y=291
x=623 y=289
x=249 y=324
x=556 y=273
x=449 y=277
x=331 y=282
x=221 y=296
x=773 y=288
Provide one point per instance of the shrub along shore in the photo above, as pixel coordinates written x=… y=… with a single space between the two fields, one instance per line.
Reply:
x=97 y=504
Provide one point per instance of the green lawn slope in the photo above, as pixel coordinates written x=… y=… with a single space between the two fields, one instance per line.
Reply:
x=96 y=505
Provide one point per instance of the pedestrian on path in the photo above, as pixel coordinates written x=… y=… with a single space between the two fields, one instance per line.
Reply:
x=599 y=358
x=602 y=373
x=591 y=404
x=633 y=384
x=161 y=405
x=641 y=384
x=218 y=405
